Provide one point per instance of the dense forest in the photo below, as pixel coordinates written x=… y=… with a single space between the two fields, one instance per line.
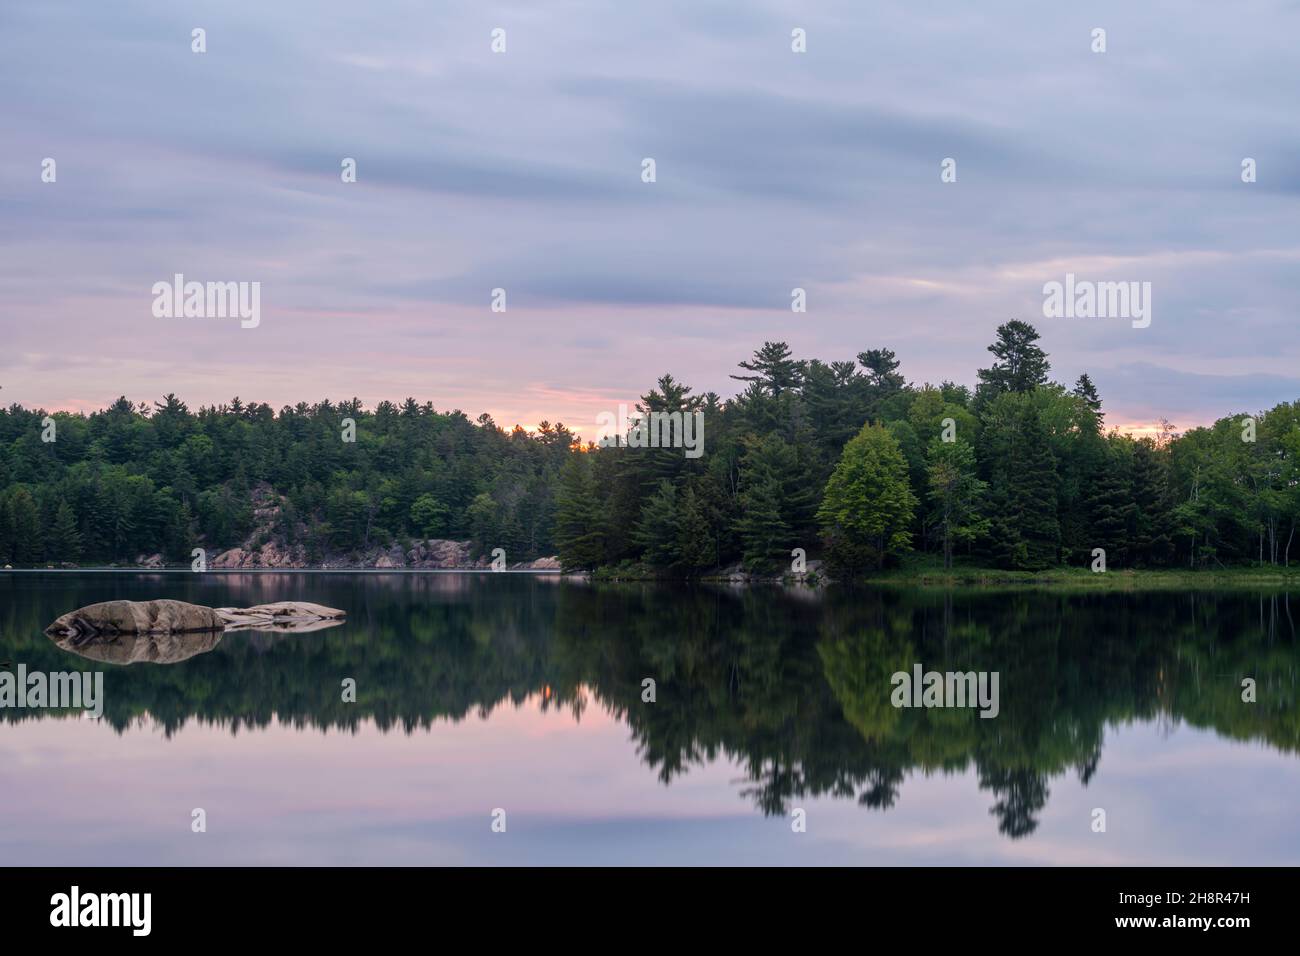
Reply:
x=845 y=460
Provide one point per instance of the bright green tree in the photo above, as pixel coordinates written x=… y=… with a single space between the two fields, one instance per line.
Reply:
x=429 y=516
x=866 y=513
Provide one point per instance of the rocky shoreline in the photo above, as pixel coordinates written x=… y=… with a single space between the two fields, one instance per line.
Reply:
x=429 y=555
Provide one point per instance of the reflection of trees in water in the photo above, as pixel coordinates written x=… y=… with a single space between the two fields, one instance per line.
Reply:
x=795 y=692
x=799 y=697
x=1021 y=793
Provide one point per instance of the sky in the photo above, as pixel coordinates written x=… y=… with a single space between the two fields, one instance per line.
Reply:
x=522 y=170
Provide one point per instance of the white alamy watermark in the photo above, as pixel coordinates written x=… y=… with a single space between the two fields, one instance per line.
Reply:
x=179 y=299
x=1085 y=299
x=58 y=690
x=638 y=429
x=133 y=910
x=946 y=689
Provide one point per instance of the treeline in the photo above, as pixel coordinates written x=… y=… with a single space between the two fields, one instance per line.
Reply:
x=135 y=480
x=846 y=461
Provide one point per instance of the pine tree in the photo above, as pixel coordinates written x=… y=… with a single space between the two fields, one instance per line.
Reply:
x=698 y=534
x=657 y=533
x=64 y=541
x=775 y=370
x=777 y=507
x=483 y=515
x=882 y=380
x=833 y=395
x=6 y=534
x=1034 y=492
x=1085 y=390
x=764 y=532
x=1021 y=365
x=26 y=541
x=1006 y=547
x=1110 y=507
x=579 y=528
x=955 y=494
x=1151 y=536
x=1024 y=527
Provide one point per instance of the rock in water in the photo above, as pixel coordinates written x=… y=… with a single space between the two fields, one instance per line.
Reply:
x=102 y=622
x=281 y=616
x=106 y=623
x=167 y=632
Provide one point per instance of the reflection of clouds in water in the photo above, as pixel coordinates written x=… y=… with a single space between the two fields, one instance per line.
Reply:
x=472 y=686
x=575 y=793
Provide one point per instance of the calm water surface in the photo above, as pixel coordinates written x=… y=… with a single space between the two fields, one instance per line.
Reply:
x=524 y=693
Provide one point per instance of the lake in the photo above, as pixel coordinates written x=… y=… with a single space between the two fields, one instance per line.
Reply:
x=773 y=736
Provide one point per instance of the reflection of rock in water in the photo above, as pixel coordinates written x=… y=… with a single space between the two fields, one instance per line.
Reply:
x=166 y=632
x=169 y=647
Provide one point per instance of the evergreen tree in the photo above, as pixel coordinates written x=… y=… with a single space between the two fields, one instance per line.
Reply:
x=763 y=530
x=6 y=533
x=777 y=504
x=833 y=395
x=1021 y=365
x=26 y=541
x=775 y=371
x=882 y=380
x=956 y=494
x=483 y=516
x=1112 y=513
x=1006 y=547
x=1033 y=488
x=579 y=529
x=64 y=541
x=1024 y=527
x=698 y=535
x=1151 y=542
x=1085 y=390
x=658 y=532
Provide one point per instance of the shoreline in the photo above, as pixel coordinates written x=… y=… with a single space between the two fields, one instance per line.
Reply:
x=927 y=578
x=359 y=570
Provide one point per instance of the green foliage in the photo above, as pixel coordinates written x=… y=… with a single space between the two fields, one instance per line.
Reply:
x=777 y=503
x=1046 y=487
x=63 y=538
x=1021 y=365
x=429 y=516
x=657 y=533
x=142 y=480
x=867 y=510
x=579 y=523
x=1025 y=527
x=956 y=495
